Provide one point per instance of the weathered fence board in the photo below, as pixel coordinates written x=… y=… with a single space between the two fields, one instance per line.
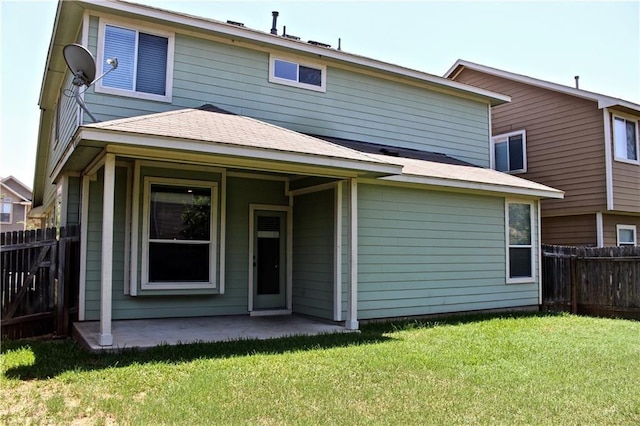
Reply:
x=35 y=277
x=598 y=281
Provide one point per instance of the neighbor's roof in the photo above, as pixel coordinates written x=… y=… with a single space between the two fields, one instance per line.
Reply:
x=210 y=129
x=603 y=101
x=10 y=182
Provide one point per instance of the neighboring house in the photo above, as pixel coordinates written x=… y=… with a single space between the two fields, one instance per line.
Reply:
x=15 y=202
x=581 y=142
x=234 y=171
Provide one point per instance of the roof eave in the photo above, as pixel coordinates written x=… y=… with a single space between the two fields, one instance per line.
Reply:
x=603 y=101
x=370 y=169
x=264 y=38
x=55 y=67
x=478 y=186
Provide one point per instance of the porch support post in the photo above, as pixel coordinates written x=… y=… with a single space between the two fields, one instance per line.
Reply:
x=352 y=295
x=106 y=338
x=337 y=261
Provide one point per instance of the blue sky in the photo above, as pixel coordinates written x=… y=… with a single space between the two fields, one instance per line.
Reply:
x=554 y=41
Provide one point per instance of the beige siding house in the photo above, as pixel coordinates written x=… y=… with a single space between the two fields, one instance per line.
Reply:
x=15 y=202
x=581 y=142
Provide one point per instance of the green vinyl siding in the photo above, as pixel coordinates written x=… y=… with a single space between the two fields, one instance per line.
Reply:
x=241 y=192
x=424 y=252
x=67 y=122
x=355 y=106
x=313 y=252
x=73 y=200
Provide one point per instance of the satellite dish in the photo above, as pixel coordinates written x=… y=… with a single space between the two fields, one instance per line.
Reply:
x=83 y=66
x=81 y=63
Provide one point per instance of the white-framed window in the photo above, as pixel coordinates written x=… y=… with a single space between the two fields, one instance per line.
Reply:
x=510 y=152
x=145 y=61
x=179 y=234
x=6 y=209
x=627 y=235
x=626 y=139
x=303 y=74
x=519 y=237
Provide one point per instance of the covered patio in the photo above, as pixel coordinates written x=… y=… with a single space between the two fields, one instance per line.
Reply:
x=148 y=333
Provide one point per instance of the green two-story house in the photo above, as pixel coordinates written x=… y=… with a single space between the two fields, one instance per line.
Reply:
x=231 y=171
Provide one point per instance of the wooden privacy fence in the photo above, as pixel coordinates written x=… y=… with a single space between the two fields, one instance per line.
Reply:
x=39 y=289
x=594 y=281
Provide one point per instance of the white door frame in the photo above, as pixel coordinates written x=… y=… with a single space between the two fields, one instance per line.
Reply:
x=289 y=257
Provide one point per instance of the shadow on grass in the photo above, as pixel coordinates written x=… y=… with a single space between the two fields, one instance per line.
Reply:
x=54 y=357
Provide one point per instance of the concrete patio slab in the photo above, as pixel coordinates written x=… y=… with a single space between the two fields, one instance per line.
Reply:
x=144 y=334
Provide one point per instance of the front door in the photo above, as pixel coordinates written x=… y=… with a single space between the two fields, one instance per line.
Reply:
x=269 y=257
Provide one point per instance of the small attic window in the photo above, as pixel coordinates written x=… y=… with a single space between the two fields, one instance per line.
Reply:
x=302 y=74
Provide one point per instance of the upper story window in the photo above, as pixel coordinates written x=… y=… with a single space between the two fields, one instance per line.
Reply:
x=145 y=62
x=627 y=235
x=510 y=152
x=625 y=139
x=298 y=74
x=6 y=209
x=519 y=218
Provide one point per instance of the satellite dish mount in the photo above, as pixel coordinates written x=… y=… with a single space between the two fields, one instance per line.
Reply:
x=83 y=66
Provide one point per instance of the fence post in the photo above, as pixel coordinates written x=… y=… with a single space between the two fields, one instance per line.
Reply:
x=61 y=284
x=574 y=284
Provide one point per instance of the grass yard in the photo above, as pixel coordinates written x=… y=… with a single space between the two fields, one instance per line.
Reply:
x=522 y=369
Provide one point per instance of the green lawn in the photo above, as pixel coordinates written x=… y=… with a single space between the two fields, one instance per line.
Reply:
x=523 y=369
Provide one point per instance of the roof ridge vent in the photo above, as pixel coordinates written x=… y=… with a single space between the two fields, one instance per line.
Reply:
x=289 y=36
x=317 y=43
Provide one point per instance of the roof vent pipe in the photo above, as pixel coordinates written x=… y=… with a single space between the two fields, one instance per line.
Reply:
x=274 y=29
x=577 y=77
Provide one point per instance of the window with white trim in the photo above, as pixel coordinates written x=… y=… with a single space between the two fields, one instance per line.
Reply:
x=179 y=234
x=145 y=62
x=510 y=152
x=625 y=138
x=627 y=235
x=295 y=73
x=7 y=208
x=519 y=225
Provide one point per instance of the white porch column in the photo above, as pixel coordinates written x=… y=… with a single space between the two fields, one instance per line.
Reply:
x=106 y=338
x=337 y=260
x=352 y=296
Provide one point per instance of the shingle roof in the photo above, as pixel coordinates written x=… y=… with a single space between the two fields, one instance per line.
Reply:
x=394 y=151
x=444 y=172
x=210 y=124
x=425 y=164
x=213 y=125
